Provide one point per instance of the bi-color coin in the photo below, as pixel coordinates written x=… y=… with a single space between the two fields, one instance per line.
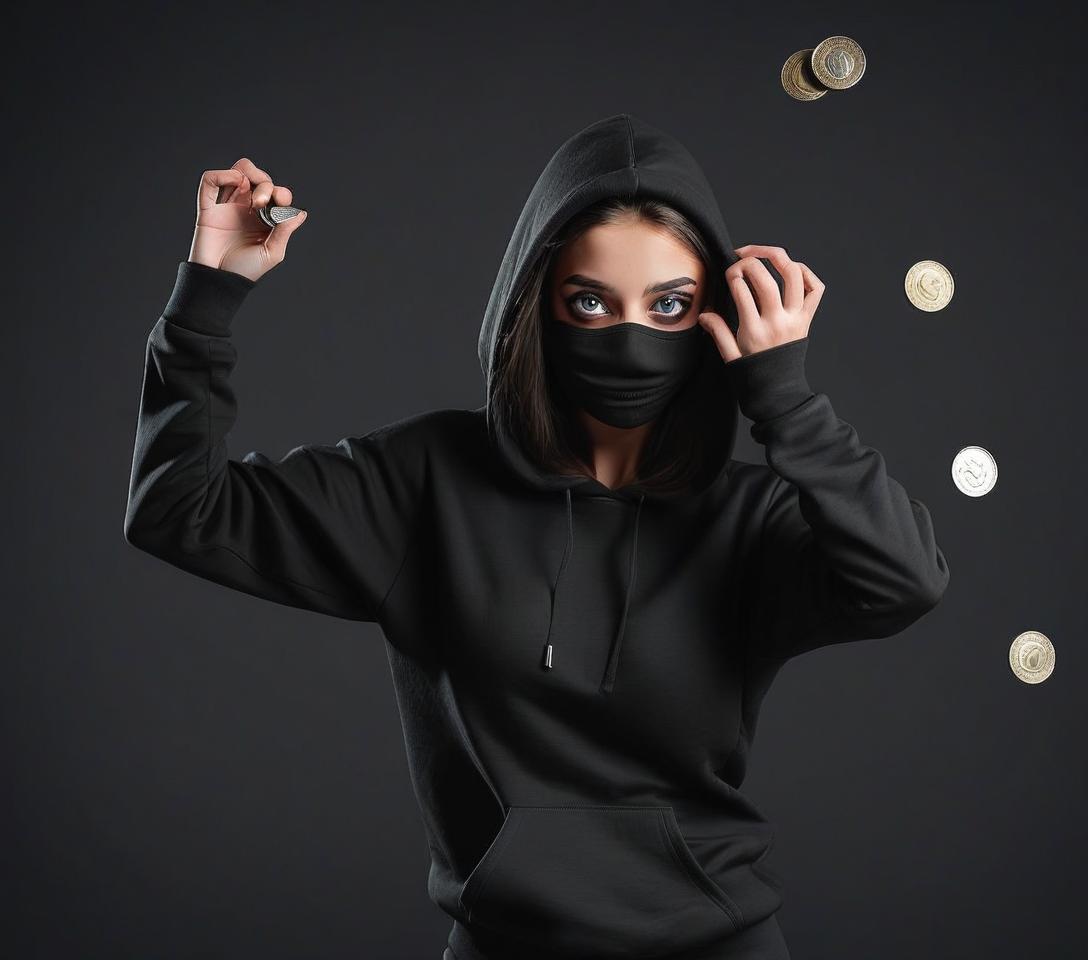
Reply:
x=838 y=62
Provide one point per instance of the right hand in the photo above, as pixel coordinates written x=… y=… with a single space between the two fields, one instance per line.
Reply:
x=229 y=234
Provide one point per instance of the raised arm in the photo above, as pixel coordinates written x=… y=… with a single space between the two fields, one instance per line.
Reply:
x=845 y=553
x=325 y=528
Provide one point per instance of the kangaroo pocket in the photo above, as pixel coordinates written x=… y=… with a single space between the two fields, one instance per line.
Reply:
x=596 y=880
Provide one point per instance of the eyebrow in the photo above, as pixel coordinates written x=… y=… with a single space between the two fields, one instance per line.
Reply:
x=578 y=279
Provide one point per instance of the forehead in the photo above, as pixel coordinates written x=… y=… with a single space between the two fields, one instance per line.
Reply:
x=636 y=250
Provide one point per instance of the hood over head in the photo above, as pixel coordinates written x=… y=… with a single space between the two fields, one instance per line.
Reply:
x=620 y=156
x=626 y=157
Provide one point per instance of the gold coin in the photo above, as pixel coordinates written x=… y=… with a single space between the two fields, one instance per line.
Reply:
x=798 y=80
x=929 y=285
x=838 y=62
x=1031 y=656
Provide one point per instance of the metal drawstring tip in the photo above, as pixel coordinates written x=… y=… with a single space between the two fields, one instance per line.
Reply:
x=548 y=657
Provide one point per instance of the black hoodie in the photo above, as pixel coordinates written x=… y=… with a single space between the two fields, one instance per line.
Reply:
x=590 y=807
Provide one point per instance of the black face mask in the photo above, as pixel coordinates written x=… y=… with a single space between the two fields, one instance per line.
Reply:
x=624 y=374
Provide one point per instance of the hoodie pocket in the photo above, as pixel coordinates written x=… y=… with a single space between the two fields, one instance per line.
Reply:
x=599 y=880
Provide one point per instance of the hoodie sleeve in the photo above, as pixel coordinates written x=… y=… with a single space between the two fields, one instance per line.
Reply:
x=326 y=528
x=845 y=554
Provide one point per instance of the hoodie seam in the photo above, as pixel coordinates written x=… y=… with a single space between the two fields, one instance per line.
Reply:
x=631 y=149
x=767 y=509
x=403 y=563
x=417 y=525
x=582 y=185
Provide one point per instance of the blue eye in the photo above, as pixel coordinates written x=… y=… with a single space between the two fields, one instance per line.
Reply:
x=587 y=296
x=586 y=304
x=680 y=303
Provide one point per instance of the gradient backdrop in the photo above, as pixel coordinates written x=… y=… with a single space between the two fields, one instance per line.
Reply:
x=194 y=772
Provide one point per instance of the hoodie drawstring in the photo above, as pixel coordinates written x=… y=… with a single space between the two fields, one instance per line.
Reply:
x=609 y=679
x=555 y=583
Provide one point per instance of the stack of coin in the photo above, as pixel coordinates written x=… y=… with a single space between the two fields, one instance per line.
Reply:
x=833 y=64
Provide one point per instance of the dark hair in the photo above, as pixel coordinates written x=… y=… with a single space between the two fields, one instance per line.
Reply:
x=534 y=411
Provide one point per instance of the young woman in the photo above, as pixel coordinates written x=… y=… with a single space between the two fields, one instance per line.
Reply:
x=584 y=597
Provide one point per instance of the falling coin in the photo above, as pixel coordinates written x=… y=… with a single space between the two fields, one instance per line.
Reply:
x=838 y=62
x=273 y=215
x=929 y=285
x=974 y=471
x=1031 y=656
x=798 y=80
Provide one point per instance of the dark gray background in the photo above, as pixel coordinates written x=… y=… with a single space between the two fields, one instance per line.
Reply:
x=199 y=773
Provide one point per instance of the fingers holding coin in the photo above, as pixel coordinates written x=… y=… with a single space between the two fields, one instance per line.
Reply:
x=247 y=184
x=220 y=186
x=264 y=191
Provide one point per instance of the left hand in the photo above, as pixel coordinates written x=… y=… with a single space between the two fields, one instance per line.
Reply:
x=778 y=318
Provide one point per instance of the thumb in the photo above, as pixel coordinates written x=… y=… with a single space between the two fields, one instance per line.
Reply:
x=715 y=325
x=276 y=241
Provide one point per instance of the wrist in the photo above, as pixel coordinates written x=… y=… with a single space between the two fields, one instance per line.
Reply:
x=770 y=382
x=205 y=298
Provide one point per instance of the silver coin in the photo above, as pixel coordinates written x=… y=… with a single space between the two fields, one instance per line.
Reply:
x=974 y=471
x=273 y=215
x=1031 y=656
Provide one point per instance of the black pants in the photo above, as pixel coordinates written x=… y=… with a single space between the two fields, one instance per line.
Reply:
x=761 y=941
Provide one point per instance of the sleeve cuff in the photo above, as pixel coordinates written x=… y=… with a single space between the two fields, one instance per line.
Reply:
x=770 y=382
x=205 y=299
